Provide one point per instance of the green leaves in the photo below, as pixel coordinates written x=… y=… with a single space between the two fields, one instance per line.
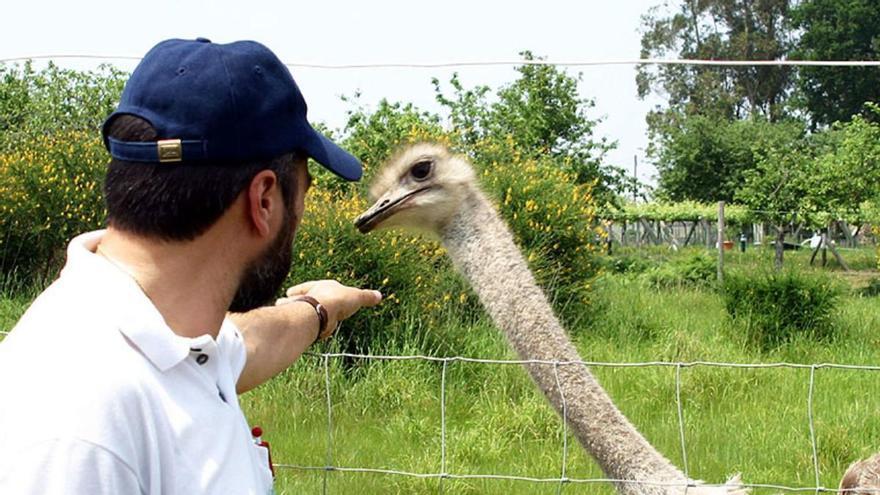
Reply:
x=838 y=30
x=35 y=103
x=705 y=158
x=778 y=307
x=718 y=29
x=542 y=115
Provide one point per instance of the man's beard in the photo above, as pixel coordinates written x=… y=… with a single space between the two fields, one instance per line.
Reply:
x=263 y=277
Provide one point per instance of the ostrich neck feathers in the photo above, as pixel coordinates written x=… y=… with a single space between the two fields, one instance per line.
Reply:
x=483 y=250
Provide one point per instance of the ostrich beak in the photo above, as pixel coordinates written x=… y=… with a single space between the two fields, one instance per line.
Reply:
x=390 y=203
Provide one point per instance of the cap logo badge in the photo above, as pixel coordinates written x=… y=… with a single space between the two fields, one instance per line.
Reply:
x=170 y=150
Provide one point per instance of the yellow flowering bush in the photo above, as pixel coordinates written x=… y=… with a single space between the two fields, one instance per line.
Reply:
x=552 y=218
x=50 y=190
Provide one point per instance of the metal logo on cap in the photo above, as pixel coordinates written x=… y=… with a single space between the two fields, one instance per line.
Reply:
x=170 y=150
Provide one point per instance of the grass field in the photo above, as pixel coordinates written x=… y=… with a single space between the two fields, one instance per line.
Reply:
x=387 y=414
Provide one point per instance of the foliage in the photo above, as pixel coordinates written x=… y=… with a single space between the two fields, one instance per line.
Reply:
x=696 y=270
x=707 y=139
x=51 y=162
x=39 y=103
x=550 y=215
x=50 y=190
x=778 y=307
x=705 y=158
x=627 y=263
x=373 y=135
x=543 y=115
x=718 y=29
x=777 y=185
x=553 y=217
x=846 y=174
x=678 y=212
x=816 y=179
x=872 y=289
x=837 y=30
x=871 y=209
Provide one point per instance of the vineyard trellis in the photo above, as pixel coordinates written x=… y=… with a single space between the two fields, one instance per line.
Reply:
x=690 y=223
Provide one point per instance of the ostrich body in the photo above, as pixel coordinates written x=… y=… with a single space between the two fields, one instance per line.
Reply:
x=862 y=477
x=427 y=188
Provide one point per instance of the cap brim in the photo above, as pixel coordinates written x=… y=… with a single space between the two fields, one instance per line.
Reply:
x=333 y=158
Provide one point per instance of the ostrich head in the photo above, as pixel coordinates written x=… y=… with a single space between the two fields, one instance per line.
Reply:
x=421 y=187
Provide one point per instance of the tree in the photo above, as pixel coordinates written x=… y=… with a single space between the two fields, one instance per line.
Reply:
x=838 y=30
x=372 y=135
x=817 y=179
x=543 y=114
x=847 y=171
x=716 y=118
x=705 y=158
x=777 y=186
x=719 y=29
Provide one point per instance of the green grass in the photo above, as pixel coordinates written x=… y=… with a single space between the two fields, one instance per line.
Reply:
x=386 y=414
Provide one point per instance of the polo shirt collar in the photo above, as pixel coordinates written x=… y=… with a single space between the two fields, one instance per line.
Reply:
x=135 y=315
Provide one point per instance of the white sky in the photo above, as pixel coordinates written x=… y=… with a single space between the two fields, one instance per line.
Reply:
x=379 y=31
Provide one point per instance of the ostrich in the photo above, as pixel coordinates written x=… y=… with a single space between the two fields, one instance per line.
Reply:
x=427 y=188
x=862 y=477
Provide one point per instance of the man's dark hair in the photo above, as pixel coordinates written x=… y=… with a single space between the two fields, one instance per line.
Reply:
x=178 y=201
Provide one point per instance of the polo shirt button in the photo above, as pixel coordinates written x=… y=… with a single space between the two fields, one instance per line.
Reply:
x=202 y=359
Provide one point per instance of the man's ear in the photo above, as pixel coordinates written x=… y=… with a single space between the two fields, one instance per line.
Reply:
x=263 y=200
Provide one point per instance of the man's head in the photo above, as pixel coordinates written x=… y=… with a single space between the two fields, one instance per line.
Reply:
x=201 y=126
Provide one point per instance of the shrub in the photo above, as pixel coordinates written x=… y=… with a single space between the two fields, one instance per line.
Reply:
x=50 y=191
x=777 y=307
x=698 y=270
x=550 y=216
x=626 y=263
x=872 y=289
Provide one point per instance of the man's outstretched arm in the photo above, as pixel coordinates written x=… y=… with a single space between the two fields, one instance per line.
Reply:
x=276 y=336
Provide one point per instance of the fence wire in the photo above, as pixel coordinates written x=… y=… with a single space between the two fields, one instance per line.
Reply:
x=563 y=479
x=497 y=63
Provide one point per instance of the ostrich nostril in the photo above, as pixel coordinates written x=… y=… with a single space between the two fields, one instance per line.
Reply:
x=384 y=202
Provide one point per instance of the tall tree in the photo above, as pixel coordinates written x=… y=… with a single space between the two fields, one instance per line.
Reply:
x=838 y=30
x=716 y=117
x=543 y=114
x=719 y=29
x=705 y=158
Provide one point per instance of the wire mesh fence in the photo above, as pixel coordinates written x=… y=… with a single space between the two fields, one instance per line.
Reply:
x=563 y=479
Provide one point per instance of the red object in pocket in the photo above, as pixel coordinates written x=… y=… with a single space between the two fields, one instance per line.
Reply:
x=257 y=433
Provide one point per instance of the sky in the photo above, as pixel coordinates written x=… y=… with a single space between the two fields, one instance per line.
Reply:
x=338 y=32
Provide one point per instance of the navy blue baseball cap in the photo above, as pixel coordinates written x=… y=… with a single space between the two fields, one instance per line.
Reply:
x=211 y=101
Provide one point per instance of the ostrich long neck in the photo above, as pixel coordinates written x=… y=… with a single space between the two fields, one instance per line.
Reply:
x=482 y=248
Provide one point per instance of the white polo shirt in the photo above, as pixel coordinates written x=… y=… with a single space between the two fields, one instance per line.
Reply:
x=99 y=396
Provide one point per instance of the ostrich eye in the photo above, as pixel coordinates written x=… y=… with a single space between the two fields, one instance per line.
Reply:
x=421 y=170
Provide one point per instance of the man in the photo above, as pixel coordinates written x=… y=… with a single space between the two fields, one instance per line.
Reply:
x=121 y=378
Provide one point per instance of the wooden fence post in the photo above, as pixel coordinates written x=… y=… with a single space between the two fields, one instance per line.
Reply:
x=720 y=242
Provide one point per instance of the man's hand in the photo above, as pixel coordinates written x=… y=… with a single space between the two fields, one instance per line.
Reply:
x=339 y=300
x=275 y=336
